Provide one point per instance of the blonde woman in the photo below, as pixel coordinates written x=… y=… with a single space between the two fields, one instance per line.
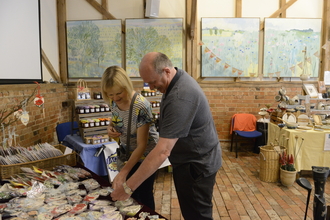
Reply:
x=117 y=90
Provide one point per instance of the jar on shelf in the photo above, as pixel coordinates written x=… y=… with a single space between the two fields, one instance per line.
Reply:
x=105 y=138
x=86 y=109
x=97 y=108
x=84 y=123
x=107 y=122
x=97 y=95
x=102 y=107
x=106 y=107
x=91 y=122
x=97 y=122
x=102 y=121
x=80 y=110
x=91 y=108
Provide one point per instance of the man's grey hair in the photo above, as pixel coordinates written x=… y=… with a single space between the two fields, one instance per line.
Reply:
x=161 y=61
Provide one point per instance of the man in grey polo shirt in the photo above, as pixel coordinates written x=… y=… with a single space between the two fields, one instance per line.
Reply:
x=187 y=136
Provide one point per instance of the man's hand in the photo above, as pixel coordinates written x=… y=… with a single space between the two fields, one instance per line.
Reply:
x=119 y=193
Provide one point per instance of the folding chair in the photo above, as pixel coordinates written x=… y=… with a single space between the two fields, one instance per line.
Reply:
x=65 y=129
x=243 y=125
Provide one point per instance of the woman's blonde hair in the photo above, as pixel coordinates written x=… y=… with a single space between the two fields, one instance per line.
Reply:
x=115 y=76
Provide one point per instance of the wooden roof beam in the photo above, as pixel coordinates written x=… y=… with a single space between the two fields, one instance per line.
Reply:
x=101 y=9
x=50 y=67
x=279 y=11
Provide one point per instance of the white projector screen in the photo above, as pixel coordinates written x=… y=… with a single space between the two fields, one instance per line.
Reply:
x=20 y=45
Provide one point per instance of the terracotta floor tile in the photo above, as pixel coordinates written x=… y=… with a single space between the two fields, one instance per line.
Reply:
x=239 y=194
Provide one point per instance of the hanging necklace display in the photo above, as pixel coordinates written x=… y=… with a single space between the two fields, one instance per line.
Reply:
x=39 y=100
x=25 y=115
x=4 y=140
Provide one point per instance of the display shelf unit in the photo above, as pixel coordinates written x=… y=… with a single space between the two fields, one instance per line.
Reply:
x=155 y=110
x=156 y=98
x=94 y=130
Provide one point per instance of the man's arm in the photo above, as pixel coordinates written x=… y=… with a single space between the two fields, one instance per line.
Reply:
x=150 y=165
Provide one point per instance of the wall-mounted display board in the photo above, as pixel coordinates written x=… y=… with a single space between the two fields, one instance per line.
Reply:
x=92 y=46
x=20 y=44
x=230 y=47
x=292 y=47
x=149 y=35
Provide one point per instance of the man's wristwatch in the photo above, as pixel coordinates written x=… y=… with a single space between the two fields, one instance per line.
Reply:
x=128 y=190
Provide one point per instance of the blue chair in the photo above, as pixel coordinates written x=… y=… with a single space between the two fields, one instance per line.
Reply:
x=64 y=129
x=243 y=125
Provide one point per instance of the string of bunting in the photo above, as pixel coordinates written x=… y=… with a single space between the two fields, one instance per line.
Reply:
x=239 y=72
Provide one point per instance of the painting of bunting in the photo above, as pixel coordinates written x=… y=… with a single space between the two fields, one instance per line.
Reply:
x=229 y=47
x=292 y=47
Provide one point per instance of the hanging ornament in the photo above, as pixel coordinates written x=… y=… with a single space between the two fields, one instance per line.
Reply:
x=25 y=115
x=38 y=100
x=25 y=118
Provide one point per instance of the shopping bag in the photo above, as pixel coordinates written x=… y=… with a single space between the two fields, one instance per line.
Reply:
x=110 y=157
x=82 y=91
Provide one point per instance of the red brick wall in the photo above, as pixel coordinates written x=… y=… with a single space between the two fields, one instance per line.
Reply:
x=225 y=100
x=41 y=127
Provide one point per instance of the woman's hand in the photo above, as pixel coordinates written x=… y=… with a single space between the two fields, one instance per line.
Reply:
x=112 y=132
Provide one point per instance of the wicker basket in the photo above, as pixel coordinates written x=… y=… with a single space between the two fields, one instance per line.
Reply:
x=69 y=159
x=270 y=164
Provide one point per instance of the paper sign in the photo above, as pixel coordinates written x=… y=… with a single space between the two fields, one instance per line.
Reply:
x=327 y=142
x=67 y=151
x=327 y=77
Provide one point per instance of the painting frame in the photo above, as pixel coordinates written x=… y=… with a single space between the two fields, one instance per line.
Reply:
x=163 y=35
x=310 y=90
x=292 y=47
x=230 y=47
x=92 y=46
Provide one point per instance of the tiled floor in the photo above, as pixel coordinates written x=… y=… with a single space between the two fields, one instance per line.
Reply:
x=239 y=193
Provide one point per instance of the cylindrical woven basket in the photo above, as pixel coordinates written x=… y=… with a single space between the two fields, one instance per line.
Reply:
x=270 y=164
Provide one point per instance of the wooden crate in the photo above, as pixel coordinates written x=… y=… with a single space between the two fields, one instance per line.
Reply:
x=48 y=164
x=99 y=139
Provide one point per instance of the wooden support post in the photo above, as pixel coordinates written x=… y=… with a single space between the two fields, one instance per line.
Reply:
x=61 y=19
x=238 y=10
x=324 y=56
x=191 y=44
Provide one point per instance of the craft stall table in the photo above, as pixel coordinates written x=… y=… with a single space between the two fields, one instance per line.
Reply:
x=104 y=183
x=309 y=145
x=87 y=152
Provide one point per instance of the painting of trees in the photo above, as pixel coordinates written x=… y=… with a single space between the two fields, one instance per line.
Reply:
x=92 y=46
x=148 y=35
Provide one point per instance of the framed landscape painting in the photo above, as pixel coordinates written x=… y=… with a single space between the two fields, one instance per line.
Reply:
x=92 y=46
x=229 y=47
x=153 y=35
x=292 y=47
